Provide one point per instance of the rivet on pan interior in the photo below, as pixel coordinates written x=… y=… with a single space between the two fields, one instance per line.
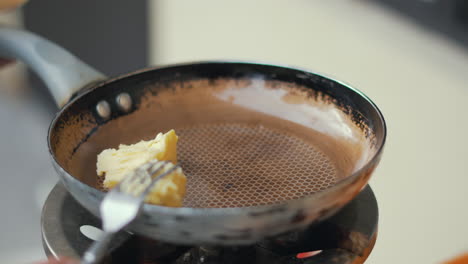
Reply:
x=103 y=109
x=124 y=101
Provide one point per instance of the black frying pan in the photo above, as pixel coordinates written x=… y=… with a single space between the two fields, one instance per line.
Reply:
x=266 y=148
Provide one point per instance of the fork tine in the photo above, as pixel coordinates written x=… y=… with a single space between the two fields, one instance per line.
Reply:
x=130 y=178
x=152 y=169
x=157 y=178
x=137 y=182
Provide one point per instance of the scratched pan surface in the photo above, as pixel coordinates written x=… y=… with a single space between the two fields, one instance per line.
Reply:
x=266 y=148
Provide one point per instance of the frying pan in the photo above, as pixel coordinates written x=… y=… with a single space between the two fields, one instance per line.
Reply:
x=267 y=149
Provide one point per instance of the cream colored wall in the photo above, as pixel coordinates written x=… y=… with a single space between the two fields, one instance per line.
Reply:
x=418 y=79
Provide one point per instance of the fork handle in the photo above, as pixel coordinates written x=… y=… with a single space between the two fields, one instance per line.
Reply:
x=98 y=249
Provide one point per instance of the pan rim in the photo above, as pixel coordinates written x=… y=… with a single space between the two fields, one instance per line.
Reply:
x=182 y=211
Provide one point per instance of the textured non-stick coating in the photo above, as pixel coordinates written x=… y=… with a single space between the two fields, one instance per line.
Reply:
x=237 y=165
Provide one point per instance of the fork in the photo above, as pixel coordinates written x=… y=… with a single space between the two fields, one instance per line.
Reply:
x=123 y=203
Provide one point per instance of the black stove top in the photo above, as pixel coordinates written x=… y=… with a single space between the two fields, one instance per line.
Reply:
x=347 y=237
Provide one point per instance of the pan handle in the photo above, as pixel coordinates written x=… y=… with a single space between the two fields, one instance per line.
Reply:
x=63 y=73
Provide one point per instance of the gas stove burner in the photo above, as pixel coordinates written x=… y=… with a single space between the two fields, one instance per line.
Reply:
x=347 y=237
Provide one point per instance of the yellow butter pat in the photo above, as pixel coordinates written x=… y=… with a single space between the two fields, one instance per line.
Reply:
x=115 y=164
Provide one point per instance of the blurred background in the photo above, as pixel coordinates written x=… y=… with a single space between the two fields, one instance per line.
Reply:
x=409 y=56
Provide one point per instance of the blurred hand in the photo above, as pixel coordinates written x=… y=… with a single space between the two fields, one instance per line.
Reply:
x=10 y=4
x=4 y=62
x=59 y=261
x=6 y=5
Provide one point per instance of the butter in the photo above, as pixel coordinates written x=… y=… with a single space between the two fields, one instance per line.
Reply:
x=115 y=164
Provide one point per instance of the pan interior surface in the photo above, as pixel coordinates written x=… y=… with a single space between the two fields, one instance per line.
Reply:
x=242 y=142
x=237 y=165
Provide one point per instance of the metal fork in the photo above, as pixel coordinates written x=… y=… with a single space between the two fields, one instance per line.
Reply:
x=123 y=203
